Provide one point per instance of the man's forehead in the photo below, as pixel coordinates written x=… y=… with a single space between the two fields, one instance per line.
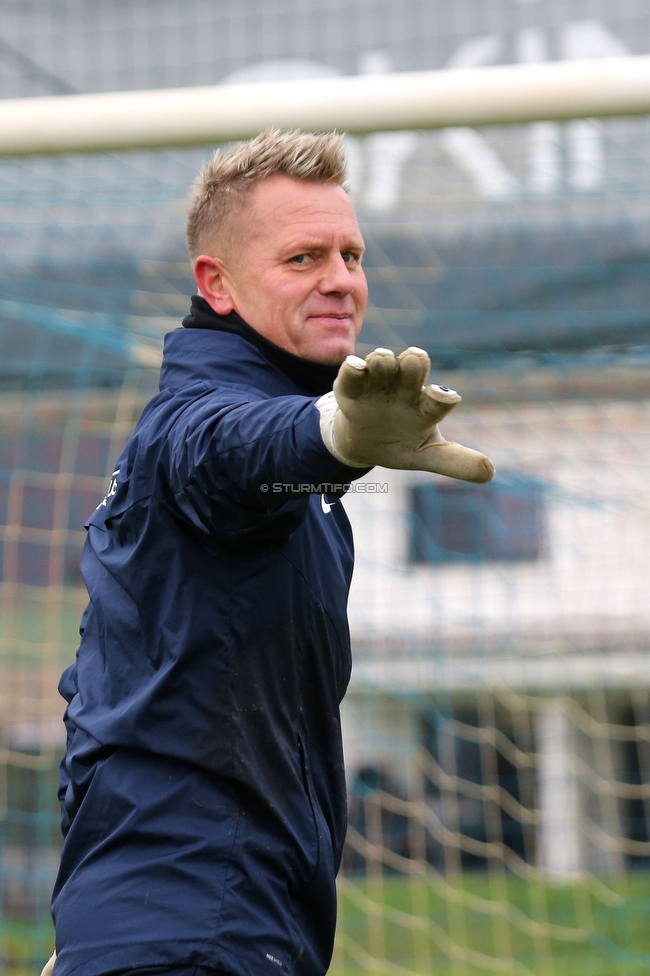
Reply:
x=287 y=205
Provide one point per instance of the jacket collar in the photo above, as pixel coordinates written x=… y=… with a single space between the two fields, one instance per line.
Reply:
x=209 y=357
x=313 y=378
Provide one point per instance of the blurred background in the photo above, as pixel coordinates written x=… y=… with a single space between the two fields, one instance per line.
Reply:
x=497 y=726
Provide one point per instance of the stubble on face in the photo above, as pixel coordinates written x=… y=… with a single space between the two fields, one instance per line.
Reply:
x=292 y=261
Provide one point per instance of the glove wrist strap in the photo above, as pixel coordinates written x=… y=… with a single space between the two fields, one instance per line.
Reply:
x=328 y=408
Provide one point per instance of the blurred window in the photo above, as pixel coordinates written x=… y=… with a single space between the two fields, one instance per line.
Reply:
x=454 y=521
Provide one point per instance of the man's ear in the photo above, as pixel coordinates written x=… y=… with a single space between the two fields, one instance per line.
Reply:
x=212 y=279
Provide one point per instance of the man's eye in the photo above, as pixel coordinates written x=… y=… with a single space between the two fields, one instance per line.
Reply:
x=300 y=259
x=349 y=257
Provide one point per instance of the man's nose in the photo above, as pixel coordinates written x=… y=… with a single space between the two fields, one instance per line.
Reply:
x=336 y=276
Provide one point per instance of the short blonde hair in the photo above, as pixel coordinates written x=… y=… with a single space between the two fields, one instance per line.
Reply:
x=225 y=179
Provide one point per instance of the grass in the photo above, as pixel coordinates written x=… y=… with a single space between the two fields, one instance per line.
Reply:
x=482 y=924
x=40 y=624
x=38 y=637
x=390 y=927
x=25 y=946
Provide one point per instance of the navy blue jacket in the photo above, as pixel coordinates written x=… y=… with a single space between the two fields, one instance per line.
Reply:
x=203 y=790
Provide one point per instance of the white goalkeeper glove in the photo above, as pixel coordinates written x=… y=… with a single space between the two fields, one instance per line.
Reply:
x=379 y=412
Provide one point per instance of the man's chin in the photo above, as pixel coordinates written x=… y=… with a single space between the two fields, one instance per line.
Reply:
x=329 y=357
x=329 y=351
x=327 y=341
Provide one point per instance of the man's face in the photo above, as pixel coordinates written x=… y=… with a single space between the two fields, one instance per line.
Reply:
x=294 y=270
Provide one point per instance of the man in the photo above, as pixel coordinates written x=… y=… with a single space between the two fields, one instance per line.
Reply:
x=203 y=790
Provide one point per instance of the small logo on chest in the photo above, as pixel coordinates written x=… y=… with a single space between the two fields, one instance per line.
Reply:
x=326 y=506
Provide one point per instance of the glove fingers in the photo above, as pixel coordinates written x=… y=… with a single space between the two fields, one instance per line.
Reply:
x=383 y=369
x=352 y=378
x=437 y=401
x=414 y=365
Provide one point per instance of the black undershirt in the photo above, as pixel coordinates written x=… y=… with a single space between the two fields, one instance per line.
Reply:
x=316 y=378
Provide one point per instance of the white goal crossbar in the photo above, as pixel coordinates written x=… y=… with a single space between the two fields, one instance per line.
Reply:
x=504 y=94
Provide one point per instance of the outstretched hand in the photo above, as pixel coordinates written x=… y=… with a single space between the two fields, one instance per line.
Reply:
x=380 y=412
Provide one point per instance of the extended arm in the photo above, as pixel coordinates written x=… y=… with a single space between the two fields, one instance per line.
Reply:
x=238 y=469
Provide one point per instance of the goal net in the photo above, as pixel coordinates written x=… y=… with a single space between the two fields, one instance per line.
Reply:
x=497 y=725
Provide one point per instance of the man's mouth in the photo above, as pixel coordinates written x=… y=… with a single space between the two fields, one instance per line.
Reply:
x=343 y=317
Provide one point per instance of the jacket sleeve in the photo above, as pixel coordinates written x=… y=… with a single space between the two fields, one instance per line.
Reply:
x=239 y=469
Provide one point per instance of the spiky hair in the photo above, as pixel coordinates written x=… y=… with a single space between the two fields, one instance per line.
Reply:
x=225 y=179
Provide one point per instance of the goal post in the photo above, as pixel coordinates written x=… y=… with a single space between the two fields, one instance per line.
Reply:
x=499 y=95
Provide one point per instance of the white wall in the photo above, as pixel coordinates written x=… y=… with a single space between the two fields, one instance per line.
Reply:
x=590 y=589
